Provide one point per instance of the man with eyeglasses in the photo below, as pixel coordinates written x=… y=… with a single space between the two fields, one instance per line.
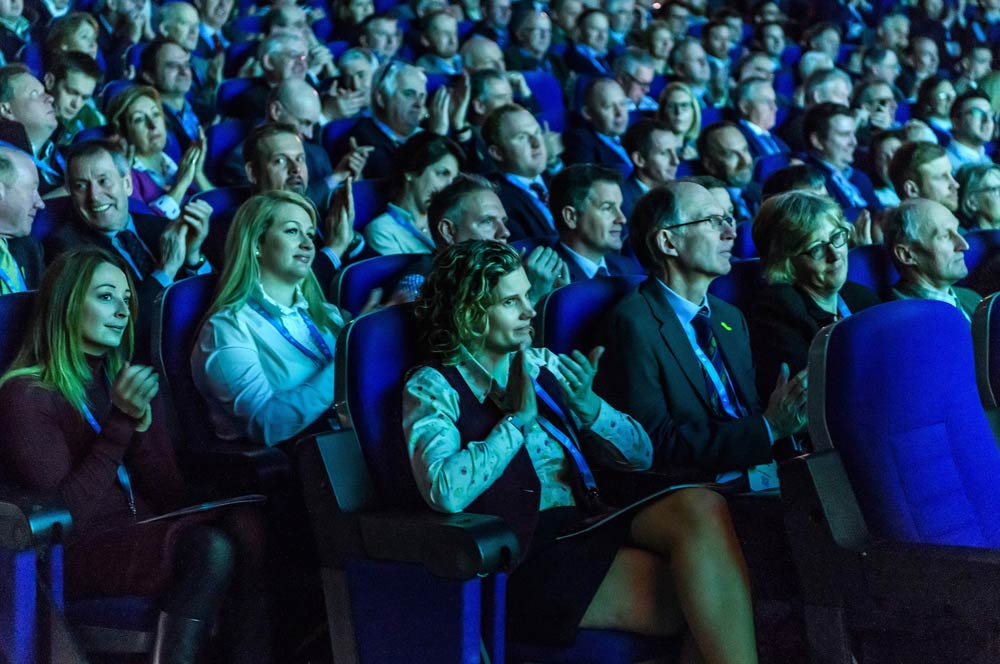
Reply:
x=929 y=253
x=634 y=71
x=530 y=45
x=972 y=126
x=283 y=56
x=678 y=359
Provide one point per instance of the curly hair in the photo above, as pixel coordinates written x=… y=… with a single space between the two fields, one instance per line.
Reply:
x=456 y=297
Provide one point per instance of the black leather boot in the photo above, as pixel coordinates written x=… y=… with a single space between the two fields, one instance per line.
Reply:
x=178 y=639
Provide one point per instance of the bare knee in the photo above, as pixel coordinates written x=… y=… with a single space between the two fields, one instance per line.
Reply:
x=683 y=517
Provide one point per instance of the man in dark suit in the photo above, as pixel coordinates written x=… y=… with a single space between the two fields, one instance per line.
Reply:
x=725 y=154
x=158 y=251
x=678 y=359
x=598 y=140
x=586 y=205
x=758 y=108
x=829 y=130
x=929 y=253
x=20 y=254
x=529 y=50
x=587 y=54
x=517 y=146
x=652 y=147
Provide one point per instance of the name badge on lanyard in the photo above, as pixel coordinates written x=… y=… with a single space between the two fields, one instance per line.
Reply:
x=317 y=338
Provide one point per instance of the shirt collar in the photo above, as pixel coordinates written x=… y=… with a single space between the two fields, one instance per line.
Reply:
x=757 y=131
x=480 y=382
x=588 y=266
x=129 y=226
x=847 y=172
x=685 y=309
x=966 y=152
x=525 y=182
x=298 y=302
x=388 y=131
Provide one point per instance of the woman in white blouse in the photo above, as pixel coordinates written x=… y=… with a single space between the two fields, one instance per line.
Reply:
x=424 y=165
x=496 y=427
x=264 y=356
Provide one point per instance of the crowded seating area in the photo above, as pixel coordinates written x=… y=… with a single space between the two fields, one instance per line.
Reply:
x=482 y=331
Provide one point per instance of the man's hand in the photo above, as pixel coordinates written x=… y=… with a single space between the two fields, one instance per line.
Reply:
x=338 y=230
x=173 y=249
x=437 y=121
x=459 y=102
x=351 y=164
x=321 y=63
x=786 y=409
x=195 y=215
x=518 y=84
x=343 y=103
x=861 y=233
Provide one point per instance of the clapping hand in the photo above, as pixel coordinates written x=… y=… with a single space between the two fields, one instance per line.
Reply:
x=132 y=391
x=576 y=376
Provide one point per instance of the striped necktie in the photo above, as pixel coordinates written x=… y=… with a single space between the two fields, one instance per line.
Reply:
x=11 y=278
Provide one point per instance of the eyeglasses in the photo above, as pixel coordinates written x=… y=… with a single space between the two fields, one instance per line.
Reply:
x=677 y=107
x=716 y=221
x=818 y=250
x=643 y=85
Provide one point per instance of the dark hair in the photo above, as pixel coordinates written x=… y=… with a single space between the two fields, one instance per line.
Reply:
x=446 y=203
x=908 y=159
x=454 y=302
x=925 y=96
x=417 y=154
x=147 y=60
x=251 y=144
x=7 y=75
x=96 y=147
x=819 y=117
x=572 y=185
x=590 y=90
x=956 y=107
x=791 y=178
x=64 y=63
x=491 y=126
x=706 y=181
x=706 y=135
x=639 y=137
x=657 y=209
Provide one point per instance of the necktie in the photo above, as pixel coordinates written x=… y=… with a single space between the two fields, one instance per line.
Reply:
x=722 y=402
x=11 y=280
x=217 y=43
x=602 y=272
x=541 y=192
x=769 y=144
x=137 y=252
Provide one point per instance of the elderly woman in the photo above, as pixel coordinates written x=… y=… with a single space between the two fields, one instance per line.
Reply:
x=264 y=356
x=424 y=165
x=979 y=197
x=802 y=240
x=497 y=427
x=681 y=110
x=136 y=114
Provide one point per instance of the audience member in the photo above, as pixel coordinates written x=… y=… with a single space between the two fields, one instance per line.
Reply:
x=797 y=177
x=76 y=31
x=824 y=85
x=922 y=62
x=929 y=253
x=972 y=125
x=444 y=421
x=678 y=359
x=935 y=97
x=976 y=62
x=264 y=356
x=565 y=17
x=71 y=81
x=166 y=66
x=679 y=108
x=652 y=147
x=883 y=146
x=424 y=165
x=587 y=54
x=380 y=35
x=439 y=38
x=829 y=129
x=20 y=254
x=758 y=109
x=881 y=63
x=922 y=170
x=530 y=49
x=496 y=18
x=85 y=423
x=657 y=40
x=979 y=197
x=598 y=139
x=586 y=205
x=23 y=99
x=690 y=67
x=724 y=153
x=802 y=239
x=634 y=72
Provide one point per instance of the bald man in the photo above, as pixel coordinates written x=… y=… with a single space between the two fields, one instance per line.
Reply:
x=929 y=253
x=20 y=254
x=599 y=139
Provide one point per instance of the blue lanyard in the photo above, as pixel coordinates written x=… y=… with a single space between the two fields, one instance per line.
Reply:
x=574 y=451
x=842 y=307
x=283 y=331
x=720 y=382
x=409 y=226
x=123 y=476
x=8 y=282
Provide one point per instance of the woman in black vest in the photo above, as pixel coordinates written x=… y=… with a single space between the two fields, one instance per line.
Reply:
x=496 y=427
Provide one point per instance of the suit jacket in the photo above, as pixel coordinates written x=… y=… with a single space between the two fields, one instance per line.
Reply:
x=380 y=161
x=617 y=264
x=583 y=146
x=783 y=321
x=518 y=59
x=968 y=299
x=790 y=130
x=758 y=147
x=582 y=64
x=524 y=218
x=632 y=191
x=858 y=179
x=651 y=372
x=27 y=252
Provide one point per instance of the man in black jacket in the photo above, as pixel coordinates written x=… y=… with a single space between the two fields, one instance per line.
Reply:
x=20 y=254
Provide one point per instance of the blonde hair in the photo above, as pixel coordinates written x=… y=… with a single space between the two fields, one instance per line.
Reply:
x=52 y=350
x=782 y=228
x=117 y=110
x=241 y=273
x=691 y=135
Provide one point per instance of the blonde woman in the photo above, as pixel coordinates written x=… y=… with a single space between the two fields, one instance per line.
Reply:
x=681 y=111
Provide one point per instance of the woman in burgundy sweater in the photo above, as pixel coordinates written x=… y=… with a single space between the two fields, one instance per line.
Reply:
x=79 y=419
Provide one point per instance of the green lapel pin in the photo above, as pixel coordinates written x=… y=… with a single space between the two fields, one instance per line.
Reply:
x=725 y=326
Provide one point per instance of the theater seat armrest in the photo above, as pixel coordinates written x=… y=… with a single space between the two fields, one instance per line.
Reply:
x=239 y=466
x=957 y=581
x=455 y=546
x=29 y=519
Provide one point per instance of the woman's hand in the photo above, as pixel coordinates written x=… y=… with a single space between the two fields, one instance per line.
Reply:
x=133 y=390
x=521 y=390
x=338 y=230
x=576 y=376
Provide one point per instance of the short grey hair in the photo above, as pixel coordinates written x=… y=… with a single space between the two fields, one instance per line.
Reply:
x=387 y=79
x=901 y=224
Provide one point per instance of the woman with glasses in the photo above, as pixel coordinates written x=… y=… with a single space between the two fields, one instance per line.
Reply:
x=681 y=111
x=979 y=197
x=497 y=427
x=802 y=240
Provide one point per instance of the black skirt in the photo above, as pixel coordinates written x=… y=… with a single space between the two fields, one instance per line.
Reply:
x=548 y=594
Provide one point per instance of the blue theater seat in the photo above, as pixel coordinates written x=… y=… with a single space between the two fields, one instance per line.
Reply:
x=548 y=93
x=871 y=266
x=370 y=200
x=986 y=343
x=738 y=287
x=221 y=139
x=571 y=318
x=354 y=283
x=224 y=201
x=892 y=517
